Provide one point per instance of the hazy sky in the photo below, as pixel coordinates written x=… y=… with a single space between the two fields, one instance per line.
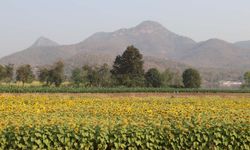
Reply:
x=71 y=21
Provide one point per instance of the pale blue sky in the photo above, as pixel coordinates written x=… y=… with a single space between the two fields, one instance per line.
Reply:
x=71 y=21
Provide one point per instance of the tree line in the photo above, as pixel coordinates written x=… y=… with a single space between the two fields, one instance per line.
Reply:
x=127 y=71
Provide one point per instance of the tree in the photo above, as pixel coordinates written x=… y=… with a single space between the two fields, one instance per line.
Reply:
x=104 y=76
x=191 y=78
x=43 y=75
x=24 y=74
x=171 y=78
x=128 y=68
x=95 y=77
x=153 y=78
x=86 y=73
x=92 y=76
x=6 y=72
x=2 y=73
x=54 y=75
x=99 y=76
x=9 y=72
x=247 y=79
x=77 y=77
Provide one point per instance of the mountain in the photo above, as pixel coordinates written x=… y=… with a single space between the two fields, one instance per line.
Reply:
x=44 y=42
x=160 y=47
x=42 y=52
x=150 y=37
x=243 y=44
x=216 y=53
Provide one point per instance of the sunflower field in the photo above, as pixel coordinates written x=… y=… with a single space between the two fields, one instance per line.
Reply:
x=95 y=121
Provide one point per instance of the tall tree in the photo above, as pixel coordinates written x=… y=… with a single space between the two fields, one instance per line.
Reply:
x=24 y=74
x=153 y=78
x=128 y=68
x=191 y=78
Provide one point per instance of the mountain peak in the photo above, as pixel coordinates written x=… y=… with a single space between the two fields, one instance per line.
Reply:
x=44 y=42
x=150 y=26
x=150 y=23
x=215 y=41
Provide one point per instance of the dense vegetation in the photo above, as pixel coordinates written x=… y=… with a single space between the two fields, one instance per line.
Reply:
x=62 y=121
x=127 y=71
x=130 y=137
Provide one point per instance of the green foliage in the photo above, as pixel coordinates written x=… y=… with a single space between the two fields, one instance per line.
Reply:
x=92 y=76
x=128 y=68
x=77 y=77
x=153 y=78
x=24 y=74
x=247 y=79
x=171 y=79
x=6 y=73
x=55 y=75
x=9 y=72
x=43 y=75
x=103 y=76
x=191 y=78
x=190 y=136
x=2 y=72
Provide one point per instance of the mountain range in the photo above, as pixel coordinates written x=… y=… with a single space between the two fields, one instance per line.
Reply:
x=161 y=48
